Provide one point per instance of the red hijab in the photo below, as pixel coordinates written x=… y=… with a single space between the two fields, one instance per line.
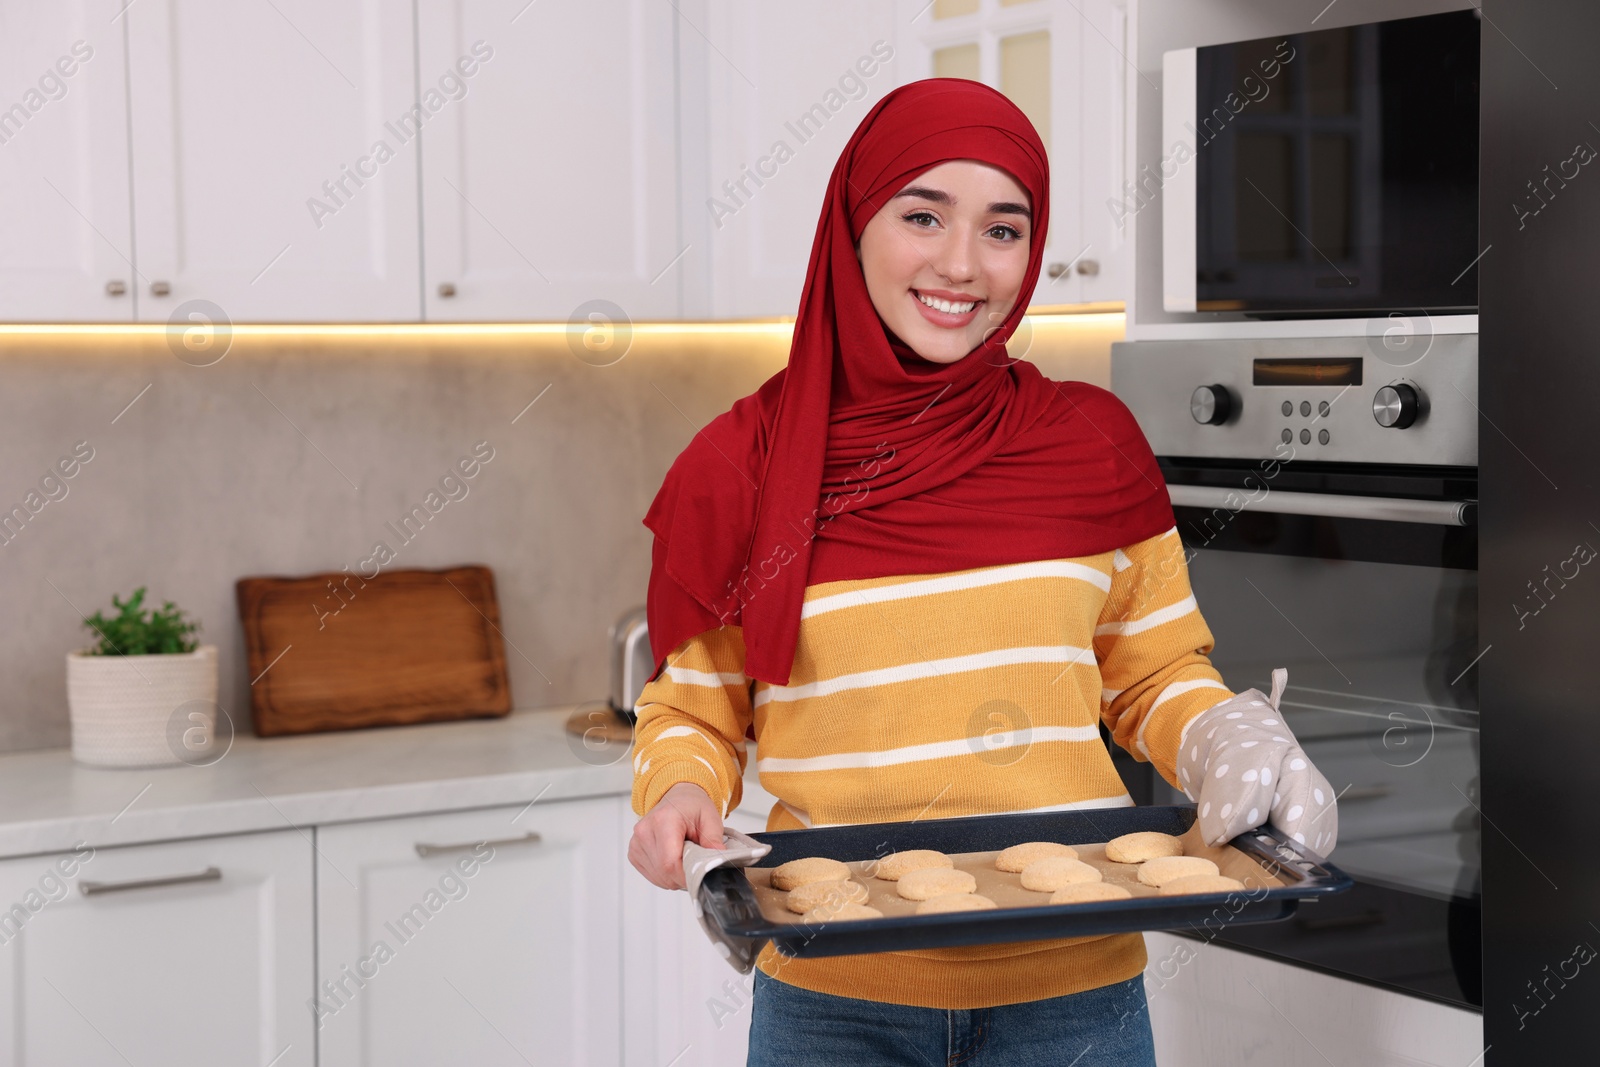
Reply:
x=861 y=459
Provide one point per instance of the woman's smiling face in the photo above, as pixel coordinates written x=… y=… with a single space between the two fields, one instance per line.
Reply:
x=945 y=257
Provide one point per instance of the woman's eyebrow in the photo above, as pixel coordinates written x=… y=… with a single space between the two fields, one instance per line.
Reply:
x=923 y=192
x=1006 y=207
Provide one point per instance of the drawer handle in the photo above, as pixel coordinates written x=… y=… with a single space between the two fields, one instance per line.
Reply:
x=210 y=874
x=424 y=850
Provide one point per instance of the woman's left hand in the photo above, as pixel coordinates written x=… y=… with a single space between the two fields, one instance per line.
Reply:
x=1242 y=767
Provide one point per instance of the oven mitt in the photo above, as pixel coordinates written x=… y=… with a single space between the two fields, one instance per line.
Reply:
x=1242 y=767
x=738 y=850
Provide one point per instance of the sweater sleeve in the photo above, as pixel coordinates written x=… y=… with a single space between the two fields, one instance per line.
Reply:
x=1151 y=643
x=691 y=722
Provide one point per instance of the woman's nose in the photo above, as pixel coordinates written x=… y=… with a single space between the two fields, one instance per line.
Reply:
x=956 y=258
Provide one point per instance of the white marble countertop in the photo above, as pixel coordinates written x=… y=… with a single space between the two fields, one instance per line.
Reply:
x=48 y=803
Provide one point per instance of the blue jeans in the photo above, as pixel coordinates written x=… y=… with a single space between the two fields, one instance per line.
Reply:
x=794 y=1027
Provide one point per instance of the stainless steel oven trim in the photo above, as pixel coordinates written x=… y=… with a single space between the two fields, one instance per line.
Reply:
x=1328 y=505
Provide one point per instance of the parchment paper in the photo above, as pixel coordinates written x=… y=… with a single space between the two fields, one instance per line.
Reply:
x=1005 y=888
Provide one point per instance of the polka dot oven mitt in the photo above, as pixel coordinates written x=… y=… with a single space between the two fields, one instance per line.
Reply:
x=1242 y=767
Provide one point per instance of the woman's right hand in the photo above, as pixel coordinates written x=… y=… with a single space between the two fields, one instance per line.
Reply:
x=684 y=812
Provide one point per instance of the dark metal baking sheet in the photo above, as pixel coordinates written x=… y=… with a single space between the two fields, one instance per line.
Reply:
x=731 y=903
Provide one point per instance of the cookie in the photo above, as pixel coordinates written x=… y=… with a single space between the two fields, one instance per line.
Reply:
x=830 y=912
x=815 y=894
x=1163 y=869
x=1136 y=848
x=1084 y=892
x=1053 y=872
x=895 y=865
x=1017 y=857
x=928 y=882
x=955 y=902
x=796 y=873
x=1200 y=883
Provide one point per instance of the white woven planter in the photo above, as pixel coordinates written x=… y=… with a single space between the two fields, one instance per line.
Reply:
x=125 y=709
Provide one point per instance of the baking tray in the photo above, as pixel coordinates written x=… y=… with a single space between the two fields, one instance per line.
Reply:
x=739 y=906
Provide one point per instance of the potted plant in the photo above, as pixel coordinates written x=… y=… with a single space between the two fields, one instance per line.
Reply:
x=143 y=683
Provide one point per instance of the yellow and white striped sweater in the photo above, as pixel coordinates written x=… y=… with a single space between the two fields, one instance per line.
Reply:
x=935 y=696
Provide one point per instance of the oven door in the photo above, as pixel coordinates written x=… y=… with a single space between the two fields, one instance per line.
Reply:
x=1363 y=583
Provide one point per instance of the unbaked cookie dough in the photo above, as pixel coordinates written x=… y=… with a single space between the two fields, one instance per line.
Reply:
x=1053 y=872
x=1015 y=858
x=897 y=864
x=926 y=882
x=815 y=894
x=796 y=873
x=1200 y=883
x=955 y=902
x=1084 y=892
x=828 y=913
x=1148 y=845
x=1163 y=869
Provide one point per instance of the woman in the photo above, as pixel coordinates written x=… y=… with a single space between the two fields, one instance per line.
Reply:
x=905 y=540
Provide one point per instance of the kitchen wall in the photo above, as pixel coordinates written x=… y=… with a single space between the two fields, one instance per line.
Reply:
x=290 y=454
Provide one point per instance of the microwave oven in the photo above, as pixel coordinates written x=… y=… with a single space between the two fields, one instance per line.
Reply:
x=1322 y=174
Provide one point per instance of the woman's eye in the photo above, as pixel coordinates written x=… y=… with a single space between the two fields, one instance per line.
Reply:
x=1006 y=232
x=917 y=217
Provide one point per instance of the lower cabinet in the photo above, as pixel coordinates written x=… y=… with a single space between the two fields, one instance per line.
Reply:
x=488 y=937
x=191 y=952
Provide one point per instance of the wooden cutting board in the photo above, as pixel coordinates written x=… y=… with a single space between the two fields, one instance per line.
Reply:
x=335 y=651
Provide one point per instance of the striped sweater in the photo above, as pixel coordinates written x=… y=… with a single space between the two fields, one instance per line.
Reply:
x=935 y=696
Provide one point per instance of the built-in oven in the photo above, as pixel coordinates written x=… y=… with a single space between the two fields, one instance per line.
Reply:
x=1325 y=491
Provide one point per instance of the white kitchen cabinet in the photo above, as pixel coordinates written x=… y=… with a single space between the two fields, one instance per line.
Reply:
x=1210 y=1004
x=209 y=961
x=772 y=92
x=489 y=937
x=552 y=182
x=274 y=159
x=66 y=247
x=685 y=1005
x=1062 y=62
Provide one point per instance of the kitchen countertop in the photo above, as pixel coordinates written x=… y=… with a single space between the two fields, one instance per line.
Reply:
x=48 y=803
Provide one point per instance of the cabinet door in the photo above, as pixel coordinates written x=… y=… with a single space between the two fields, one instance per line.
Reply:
x=487 y=937
x=784 y=91
x=686 y=1006
x=1102 y=71
x=552 y=180
x=209 y=960
x=66 y=247
x=274 y=158
x=1062 y=62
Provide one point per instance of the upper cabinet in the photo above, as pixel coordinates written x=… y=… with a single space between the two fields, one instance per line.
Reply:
x=275 y=158
x=783 y=89
x=1061 y=62
x=498 y=160
x=66 y=246
x=549 y=169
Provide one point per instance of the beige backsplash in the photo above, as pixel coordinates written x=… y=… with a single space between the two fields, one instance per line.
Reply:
x=292 y=454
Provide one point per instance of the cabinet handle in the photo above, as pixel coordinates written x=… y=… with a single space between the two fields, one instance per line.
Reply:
x=1089 y=267
x=160 y=288
x=1056 y=270
x=210 y=874
x=447 y=289
x=425 y=851
x=116 y=287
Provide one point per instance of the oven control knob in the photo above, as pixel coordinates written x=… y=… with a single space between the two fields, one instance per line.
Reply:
x=1211 y=405
x=1395 y=406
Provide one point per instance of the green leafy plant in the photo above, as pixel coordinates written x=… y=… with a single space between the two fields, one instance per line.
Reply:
x=133 y=631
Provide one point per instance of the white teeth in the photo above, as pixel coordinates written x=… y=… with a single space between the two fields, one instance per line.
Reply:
x=946 y=306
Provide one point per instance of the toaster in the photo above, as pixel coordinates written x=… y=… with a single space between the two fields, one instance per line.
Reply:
x=632 y=662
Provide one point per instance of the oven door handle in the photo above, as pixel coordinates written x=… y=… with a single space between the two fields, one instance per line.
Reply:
x=1329 y=505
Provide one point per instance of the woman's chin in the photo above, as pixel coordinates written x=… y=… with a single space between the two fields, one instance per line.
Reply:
x=942 y=349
